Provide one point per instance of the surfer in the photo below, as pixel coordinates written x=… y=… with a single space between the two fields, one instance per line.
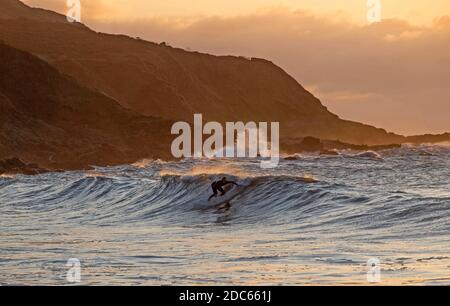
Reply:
x=217 y=186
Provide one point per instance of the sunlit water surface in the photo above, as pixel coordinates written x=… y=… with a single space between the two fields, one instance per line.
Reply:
x=149 y=223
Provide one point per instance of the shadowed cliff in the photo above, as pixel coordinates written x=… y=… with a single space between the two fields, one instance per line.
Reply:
x=49 y=119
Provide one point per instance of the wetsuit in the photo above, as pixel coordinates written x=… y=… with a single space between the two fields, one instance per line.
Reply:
x=217 y=186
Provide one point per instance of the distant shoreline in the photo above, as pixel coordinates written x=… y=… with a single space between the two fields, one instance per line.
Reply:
x=16 y=165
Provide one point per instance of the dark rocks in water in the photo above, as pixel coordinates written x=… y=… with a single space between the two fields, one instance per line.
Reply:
x=327 y=147
x=338 y=145
x=385 y=147
x=16 y=166
x=291 y=158
x=329 y=152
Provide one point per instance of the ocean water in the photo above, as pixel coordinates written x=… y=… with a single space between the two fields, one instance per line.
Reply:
x=149 y=223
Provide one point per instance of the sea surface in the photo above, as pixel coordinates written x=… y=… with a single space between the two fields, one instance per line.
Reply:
x=313 y=220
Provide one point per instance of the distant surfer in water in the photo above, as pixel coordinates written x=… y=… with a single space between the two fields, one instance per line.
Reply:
x=217 y=186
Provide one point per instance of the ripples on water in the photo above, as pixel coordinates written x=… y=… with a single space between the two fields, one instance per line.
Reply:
x=141 y=224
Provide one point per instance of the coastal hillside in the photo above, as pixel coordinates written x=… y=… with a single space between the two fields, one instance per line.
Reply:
x=158 y=80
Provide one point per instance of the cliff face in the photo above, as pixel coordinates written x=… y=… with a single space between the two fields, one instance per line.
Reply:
x=48 y=118
x=158 y=80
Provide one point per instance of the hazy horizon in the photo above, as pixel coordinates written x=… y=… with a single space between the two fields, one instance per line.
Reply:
x=393 y=74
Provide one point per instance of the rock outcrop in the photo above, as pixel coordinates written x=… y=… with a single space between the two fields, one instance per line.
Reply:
x=15 y=166
x=327 y=147
x=49 y=119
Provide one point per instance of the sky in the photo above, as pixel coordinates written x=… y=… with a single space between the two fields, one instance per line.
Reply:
x=394 y=74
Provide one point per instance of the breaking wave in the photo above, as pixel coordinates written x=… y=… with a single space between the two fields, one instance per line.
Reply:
x=152 y=206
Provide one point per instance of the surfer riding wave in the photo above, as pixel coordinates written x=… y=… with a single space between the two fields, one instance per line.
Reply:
x=218 y=186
